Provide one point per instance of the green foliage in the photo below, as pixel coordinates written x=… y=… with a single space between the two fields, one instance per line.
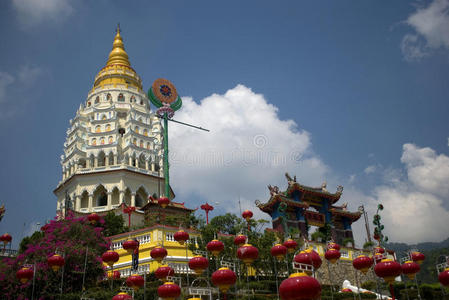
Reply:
x=348 y=240
x=36 y=236
x=318 y=236
x=113 y=224
x=369 y=285
x=368 y=245
x=326 y=231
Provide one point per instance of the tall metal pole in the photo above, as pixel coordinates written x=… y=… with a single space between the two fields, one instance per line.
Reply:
x=34 y=280
x=187 y=262
x=62 y=280
x=166 y=174
x=276 y=276
x=330 y=279
x=85 y=265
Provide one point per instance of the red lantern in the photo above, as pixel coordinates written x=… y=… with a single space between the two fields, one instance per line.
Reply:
x=110 y=258
x=247 y=215
x=332 y=255
x=224 y=278
x=388 y=270
x=55 y=262
x=279 y=251
x=332 y=245
x=410 y=268
x=181 y=236
x=163 y=271
x=163 y=202
x=443 y=277
x=379 y=250
x=198 y=264
x=418 y=257
x=114 y=275
x=240 y=240
x=299 y=286
x=5 y=239
x=309 y=257
x=93 y=218
x=130 y=245
x=291 y=245
x=24 y=274
x=215 y=246
x=169 y=291
x=135 y=281
x=378 y=257
x=247 y=253
x=158 y=253
x=122 y=296
x=362 y=263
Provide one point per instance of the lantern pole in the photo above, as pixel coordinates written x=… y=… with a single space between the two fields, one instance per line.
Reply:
x=330 y=279
x=276 y=277
x=85 y=266
x=62 y=277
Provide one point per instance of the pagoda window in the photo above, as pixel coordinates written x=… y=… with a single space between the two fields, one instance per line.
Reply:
x=108 y=127
x=135 y=142
x=100 y=196
x=110 y=140
x=145 y=132
x=102 y=141
x=136 y=129
x=140 y=120
x=148 y=145
x=103 y=117
x=141 y=102
x=121 y=98
x=94 y=142
x=101 y=159
x=141 y=144
x=132 y=99
x=97 y=100
x=84 y=199
x=98 y=128
x=108 y=97
x=88 y=104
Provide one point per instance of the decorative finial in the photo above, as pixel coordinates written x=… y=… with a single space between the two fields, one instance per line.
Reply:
x=118 y=28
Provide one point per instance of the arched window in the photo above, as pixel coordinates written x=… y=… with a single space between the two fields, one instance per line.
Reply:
x=141 y=144
x=140 y=120
x=148 y=145
x=110 y=140
x=145 y=132
x=108 y=127
x=102 y=140
x=103 y=117
x=135 y=141
x=141 y=102
x=132 y=99
x=108 y=97
x=136 y=129
x=94 y=142
x=88 y=104
x=121 y=98
x=98 y=128
x=97 y=100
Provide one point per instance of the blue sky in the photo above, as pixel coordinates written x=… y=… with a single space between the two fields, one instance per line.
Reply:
x=365 y=84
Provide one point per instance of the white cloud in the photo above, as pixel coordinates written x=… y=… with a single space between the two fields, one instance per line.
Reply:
x=370 y=169
x=5 y=80
x=416 y=205
x=33 y=12
x=430 y=23
x=247 y=148
x=13 y=85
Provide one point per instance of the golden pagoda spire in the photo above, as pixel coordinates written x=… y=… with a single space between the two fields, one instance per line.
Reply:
x=118 y=54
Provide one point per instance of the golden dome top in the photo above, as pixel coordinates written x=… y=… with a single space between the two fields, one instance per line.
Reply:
x=118 y=54
x=118 y=70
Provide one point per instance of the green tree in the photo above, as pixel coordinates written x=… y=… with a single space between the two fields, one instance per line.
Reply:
x=113 y=224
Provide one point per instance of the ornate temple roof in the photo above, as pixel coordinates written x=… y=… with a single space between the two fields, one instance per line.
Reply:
x=268 y=207
x=315 y=191
x=353 y=216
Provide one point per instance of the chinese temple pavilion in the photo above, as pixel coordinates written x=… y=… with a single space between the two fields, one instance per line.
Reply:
x=301 y=206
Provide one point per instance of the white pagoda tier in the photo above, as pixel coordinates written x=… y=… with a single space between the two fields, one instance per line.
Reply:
x=113 y=151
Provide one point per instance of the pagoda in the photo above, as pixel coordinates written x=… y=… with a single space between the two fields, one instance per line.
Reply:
x=113 y=151
x=301 y=206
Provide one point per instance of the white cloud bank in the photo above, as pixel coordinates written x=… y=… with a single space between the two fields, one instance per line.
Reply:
x=34 y=12
x=417 y=205
x=249 y=147
x=431 y=25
